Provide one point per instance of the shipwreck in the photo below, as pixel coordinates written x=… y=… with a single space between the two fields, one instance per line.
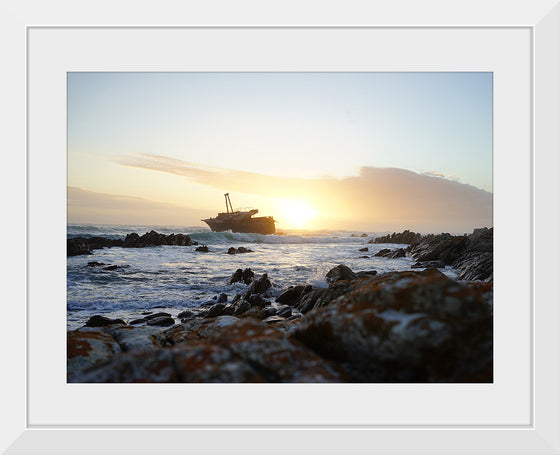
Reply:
x=241 y=221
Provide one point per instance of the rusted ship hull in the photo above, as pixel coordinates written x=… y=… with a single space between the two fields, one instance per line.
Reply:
x=260 y=225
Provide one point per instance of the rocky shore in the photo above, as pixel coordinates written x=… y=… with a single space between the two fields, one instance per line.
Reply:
x=471 y=254
x=414 y=326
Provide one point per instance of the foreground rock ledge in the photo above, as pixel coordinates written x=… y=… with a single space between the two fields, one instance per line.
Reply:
x=395 y=327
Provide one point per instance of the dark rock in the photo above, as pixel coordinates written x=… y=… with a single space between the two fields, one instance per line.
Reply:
x=427 y=264
x=256 y=300
x=222 y=298
x=202 y=249
x=290 y=295
x=228 y=310
x=284 y=311
x=476 y=266
x=363 y=249
x=471 y=254
x=340 y=272
x=408 y=237
x=270 y=311
x=154 y=238
x=318 y=297
x=95 y=264
x=186 y=314
x=366 y=273
x=255 y=313
x=260 y=285
x=364 y=235
x=77 y=246
x=216 y=310
x=406 y=327
x=239 y=250
x=97 y=243
x=102 y=321
x=151 y=366
x=273 y=319
x=137 y=321
x=241 y=306
x=245 y=276
x=111 y=267
x=162 y=321
x=157 y=315
x=364 y=257
x=391 y=254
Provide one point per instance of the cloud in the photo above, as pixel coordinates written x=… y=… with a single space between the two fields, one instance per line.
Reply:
x=377 y=198
x=85 y=206
x=443 y=176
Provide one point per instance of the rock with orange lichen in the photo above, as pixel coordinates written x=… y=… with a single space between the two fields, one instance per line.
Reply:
x=137 y=366
x=406 y=327
x=203 y=362
x=88 y=347
x=197 y=329
x=276 y=357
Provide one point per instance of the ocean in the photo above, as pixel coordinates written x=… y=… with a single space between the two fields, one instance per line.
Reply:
x=173 y=278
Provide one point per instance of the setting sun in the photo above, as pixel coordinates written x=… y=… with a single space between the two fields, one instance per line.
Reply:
x=296 y=213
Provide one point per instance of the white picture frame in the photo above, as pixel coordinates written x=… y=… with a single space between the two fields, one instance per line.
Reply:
x=538 y=435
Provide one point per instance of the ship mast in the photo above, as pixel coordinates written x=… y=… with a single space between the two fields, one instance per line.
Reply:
x=228 y=200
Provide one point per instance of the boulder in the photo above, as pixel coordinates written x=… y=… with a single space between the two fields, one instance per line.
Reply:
x=244 y=276
x=162 y=321
x=292 y=294
x=275 y=357
x=239 y=250
x=340 y=272
x=216 y=310
x=260 y=285
x=102 y=321
x=391 y=254
x=363 y=249
x=131 y=338
x=366 y=273
x=145 y=366
x=154 y=238
x=427 y=264
x=240 y=307
x=77 y=246
x=407 y=237
x=222 y=298
x=318 y=297
x=211 y=363
x=406 y=327
x=202 y=249
x=157 y=315
x=88 y=347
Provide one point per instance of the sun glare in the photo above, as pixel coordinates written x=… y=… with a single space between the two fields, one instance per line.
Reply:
x=296 y=214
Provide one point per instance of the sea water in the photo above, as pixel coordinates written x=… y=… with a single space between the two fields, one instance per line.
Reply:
x=173 y=278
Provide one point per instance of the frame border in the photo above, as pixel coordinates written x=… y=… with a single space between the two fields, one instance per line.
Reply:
x=542 y=438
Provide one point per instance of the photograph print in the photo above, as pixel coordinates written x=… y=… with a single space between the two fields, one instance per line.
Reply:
x=263 y=227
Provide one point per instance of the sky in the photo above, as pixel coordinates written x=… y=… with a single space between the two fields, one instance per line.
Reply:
x=359 y=151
